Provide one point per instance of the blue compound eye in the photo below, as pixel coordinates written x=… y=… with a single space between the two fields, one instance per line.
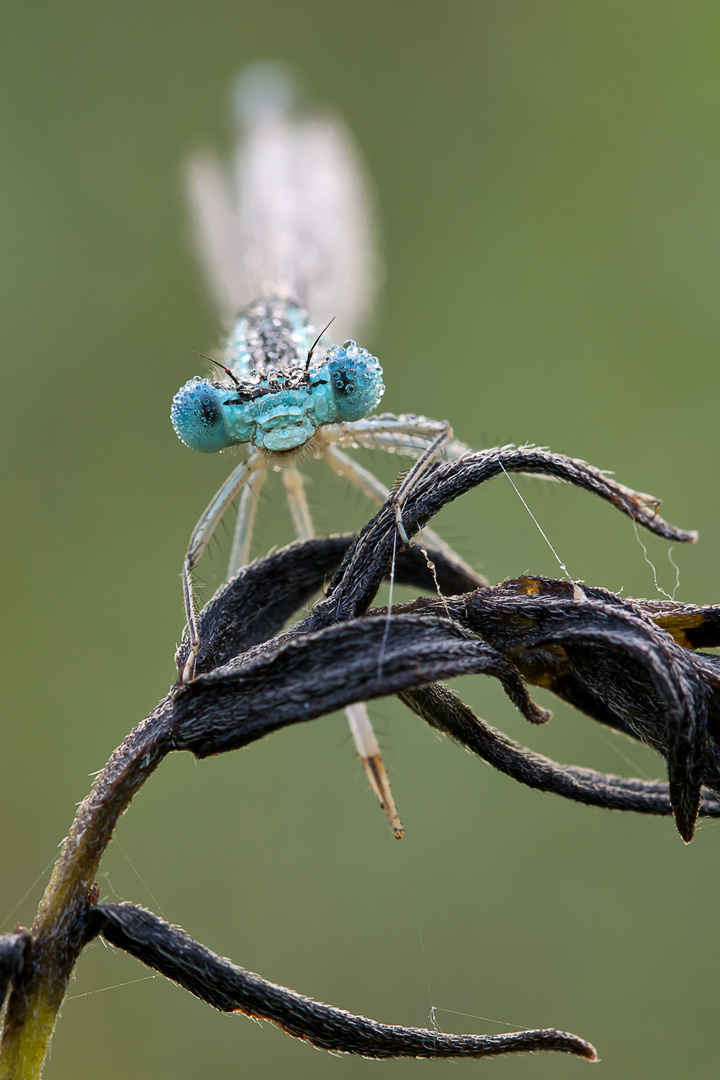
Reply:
x=355 y=380
x=198 y=417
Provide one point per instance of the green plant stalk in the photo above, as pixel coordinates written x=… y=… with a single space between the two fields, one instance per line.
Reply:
x=60 y=929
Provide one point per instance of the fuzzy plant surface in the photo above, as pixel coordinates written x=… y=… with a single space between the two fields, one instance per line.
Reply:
x=633 y=665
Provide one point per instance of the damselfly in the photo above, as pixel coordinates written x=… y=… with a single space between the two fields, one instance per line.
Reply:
x=285 y=235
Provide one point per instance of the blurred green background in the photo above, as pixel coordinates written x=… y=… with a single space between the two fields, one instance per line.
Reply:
x=547 y=175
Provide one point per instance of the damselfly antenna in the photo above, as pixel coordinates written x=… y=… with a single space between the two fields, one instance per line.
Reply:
x=312 y=347
x=222 y=366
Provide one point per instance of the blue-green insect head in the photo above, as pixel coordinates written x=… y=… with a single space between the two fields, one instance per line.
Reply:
x=282 y=415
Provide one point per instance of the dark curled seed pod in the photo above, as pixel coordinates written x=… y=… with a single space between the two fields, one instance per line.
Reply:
x=222 y=984
x=12 y=956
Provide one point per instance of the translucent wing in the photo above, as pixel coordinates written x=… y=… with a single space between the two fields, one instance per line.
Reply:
x=291 y=215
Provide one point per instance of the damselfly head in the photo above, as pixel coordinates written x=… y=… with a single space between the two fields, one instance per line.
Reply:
x=278 y=412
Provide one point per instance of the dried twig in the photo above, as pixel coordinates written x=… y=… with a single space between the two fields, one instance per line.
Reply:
x=626 y=663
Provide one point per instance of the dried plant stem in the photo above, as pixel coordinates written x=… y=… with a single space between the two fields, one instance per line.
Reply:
x=60 y=926
x=253 y=679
